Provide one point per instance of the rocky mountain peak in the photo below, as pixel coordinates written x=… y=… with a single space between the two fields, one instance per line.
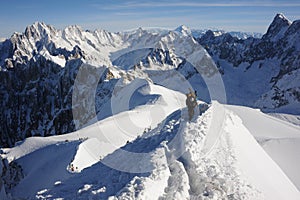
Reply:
x=294 y=28
x=184 y=30
x=216 y=37
x=208 y=36
x=39 y=30
x=73 y=31
x=277 y=28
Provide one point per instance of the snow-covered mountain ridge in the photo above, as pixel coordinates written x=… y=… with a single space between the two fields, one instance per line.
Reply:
x=39 y=69
x=207 y=158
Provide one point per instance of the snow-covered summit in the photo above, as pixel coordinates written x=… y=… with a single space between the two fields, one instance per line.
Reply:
x=184 y=30
x=40 y=30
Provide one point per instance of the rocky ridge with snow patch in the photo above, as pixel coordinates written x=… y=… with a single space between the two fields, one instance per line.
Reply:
x=278 y=49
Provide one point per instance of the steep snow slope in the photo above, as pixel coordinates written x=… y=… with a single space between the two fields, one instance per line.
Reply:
x=264 y=126
x=294 y=119
x=97 y=140
x=280 y=139
x=175 y=160
x=129 y=124
x=266 y=175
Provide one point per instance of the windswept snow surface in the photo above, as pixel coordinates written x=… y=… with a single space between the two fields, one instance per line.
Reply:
x=263 y=126
x=173 y=160
x=90 y=144
x=294 y=119
x=280 y=139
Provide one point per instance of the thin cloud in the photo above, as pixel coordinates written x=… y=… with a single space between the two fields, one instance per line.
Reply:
x=133 y=5
x=151 y=12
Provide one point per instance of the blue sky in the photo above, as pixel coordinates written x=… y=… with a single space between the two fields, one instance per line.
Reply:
x=118 y=15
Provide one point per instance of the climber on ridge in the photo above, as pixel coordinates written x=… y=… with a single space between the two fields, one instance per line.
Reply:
x=191 y=103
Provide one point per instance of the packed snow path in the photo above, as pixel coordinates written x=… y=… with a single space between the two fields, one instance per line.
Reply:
x=207 y=166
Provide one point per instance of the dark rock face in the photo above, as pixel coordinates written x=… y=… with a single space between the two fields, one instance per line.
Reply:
x=36 y=100
x=11 y=174
x=36 y=93
x=277 y=28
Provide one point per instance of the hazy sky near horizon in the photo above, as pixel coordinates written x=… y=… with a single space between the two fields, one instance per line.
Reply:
x=118 y=15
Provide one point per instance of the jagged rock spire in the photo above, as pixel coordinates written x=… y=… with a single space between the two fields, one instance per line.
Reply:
x=277 y=28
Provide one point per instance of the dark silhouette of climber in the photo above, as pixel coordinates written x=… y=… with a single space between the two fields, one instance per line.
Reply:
x=191 y=103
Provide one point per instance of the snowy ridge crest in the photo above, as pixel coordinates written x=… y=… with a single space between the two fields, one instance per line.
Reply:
x=181 y=166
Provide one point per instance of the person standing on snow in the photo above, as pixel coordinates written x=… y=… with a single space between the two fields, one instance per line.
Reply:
x=191 y=103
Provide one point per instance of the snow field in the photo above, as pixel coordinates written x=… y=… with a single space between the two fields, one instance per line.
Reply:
x=176 y=160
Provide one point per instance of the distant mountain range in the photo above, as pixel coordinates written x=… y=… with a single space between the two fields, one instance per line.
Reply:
x=196 y=33
x=39 y=69
x=240 y=35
